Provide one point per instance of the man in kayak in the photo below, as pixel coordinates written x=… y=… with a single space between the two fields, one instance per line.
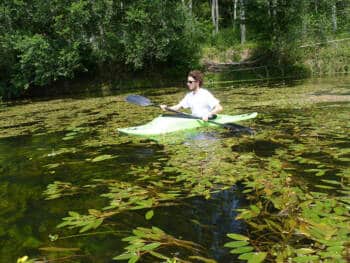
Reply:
x=202 y=103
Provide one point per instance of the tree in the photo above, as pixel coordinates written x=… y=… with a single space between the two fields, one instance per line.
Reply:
x=215 y=15
x=242 y=22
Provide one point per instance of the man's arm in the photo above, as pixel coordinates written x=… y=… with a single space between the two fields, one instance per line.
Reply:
x=175 y=107
x=214 y=111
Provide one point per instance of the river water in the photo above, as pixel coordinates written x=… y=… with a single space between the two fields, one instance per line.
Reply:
x=65 y=154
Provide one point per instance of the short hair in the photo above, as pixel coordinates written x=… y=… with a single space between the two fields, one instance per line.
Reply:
x=197 y=75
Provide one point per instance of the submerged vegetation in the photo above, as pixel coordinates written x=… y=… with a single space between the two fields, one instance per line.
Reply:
x=283 y=193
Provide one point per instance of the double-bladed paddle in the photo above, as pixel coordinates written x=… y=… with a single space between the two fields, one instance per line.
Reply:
x=143 y=101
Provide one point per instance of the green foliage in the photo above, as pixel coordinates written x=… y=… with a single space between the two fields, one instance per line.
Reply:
x=25 y=259
x=282 y=210
x=148 y=241
x=84 y=222
x=58 y=189
x=40 y=63
x=45 y=42
x=159 y=31
x=242 y=247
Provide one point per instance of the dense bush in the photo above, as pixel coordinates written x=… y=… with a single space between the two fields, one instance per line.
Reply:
x=44 y=41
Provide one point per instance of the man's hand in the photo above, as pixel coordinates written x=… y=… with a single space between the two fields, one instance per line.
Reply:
x=207 y=117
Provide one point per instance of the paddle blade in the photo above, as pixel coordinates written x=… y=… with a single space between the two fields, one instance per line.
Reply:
x=139 y=100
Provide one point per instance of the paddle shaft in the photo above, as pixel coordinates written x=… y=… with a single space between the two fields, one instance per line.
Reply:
x=227 y=126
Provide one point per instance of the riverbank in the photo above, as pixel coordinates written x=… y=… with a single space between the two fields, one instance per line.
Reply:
x=328 y=58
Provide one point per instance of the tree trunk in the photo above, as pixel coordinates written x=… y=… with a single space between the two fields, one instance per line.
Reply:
x=215 y=15
x=273 y=6
x=235 y=10
x=334 y=17
x=316 y=6
x=243 y=26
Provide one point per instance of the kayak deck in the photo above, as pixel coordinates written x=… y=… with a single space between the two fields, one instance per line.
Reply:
x=167 y=124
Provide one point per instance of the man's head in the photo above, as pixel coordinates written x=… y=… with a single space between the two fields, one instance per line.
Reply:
x=194 y=79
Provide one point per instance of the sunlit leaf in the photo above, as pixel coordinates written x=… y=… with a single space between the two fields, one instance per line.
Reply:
x=203 y=259
x=236 y=244
x=134 y=259
x=149 y=214
x=158 y=255
x=124 y=256
x=151 y=246
x=237 y=237
x=301 y=259
x=102 y=158
x=241 y=250
x=254 y=257
x=304 y=251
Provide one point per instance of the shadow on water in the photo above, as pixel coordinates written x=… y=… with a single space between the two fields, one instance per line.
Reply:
x=29 y=163
x=261 y=148
x=205 y=222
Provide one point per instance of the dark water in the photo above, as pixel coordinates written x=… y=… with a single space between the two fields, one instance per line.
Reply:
x=62 y=140
x=27 y=219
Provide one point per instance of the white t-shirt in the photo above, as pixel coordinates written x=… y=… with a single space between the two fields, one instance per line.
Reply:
x=201 y=102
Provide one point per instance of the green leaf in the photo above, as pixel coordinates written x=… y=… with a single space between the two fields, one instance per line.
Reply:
x=237 y=237
x=331 y=182
x=246 y=214
x=304 y=251
x=149 y=214
x=86 y=227
x=242 y=250
x=338 y=249
x=124 y=256
x=97 y=223
x=308 y=258
x=254 y=257
x=324 y=186
x=331 y=242
x=151 y=246
x=63 y=224
x=135 y=246
x=157 y=230
x=134 y=259
x=130 y=238
x=255 y=209
x=273 y=225
x=236 y=244
x=158 y=255
x=73 y=214
x=332 y=255
x=102 y=158
x=203 y=259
